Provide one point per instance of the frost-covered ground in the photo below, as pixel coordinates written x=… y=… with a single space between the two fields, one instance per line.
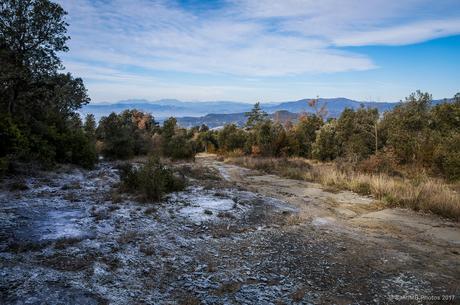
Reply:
x=69 y=239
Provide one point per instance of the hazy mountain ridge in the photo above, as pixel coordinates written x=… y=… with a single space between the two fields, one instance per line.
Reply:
x=215 y=120
x=222 y=112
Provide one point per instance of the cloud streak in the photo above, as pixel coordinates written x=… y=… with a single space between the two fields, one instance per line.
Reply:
x=111 y=40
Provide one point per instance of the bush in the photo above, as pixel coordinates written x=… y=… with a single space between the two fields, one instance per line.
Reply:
x=382 y=162
x=269 y=138
x=231 y=138
x=447 y=157
x=77 y=148
x=326 y=144
x=11 y=138
x=151 y=181
x=179 y=148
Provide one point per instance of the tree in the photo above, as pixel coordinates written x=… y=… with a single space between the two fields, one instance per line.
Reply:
x=31 y=34
x=326 y=144
x=231 y=138
x=357 y=132
x=303 y=135
x=169 y=128
x=270 y=138
x=207 y=140
x=255 y=116
x=34 y=97
x=116 y=137
x=177 y=143
x=90 y=126
x=127 y=134
x=445 y=125
x=407 y=129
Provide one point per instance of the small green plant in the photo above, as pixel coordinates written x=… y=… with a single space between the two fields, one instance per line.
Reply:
x=151 y=181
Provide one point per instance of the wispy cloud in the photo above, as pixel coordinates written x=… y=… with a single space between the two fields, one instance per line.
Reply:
x=111 y=40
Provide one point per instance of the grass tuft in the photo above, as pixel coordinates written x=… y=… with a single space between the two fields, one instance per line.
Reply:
x=421 y=194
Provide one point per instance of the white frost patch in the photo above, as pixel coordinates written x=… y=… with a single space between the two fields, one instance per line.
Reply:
x=196 y=212
x=60 y=224
x=322 y=221
x=224 y=173
x=200 y=205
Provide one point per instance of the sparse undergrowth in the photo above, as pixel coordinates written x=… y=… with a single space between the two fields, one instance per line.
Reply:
x=424 y=194
x=150 y=181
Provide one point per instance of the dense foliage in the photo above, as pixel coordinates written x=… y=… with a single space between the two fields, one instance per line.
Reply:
x=38 y=104
x=415 y=133
x=134 y=133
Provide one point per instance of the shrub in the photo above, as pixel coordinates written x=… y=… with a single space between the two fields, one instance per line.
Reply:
x=326 y=144
x=179 y=148
x=269 y=138
x=77 y=148
x=151 y=181
x=231 y=138
x=303 y=135
x=447 y=157
x=382 y=162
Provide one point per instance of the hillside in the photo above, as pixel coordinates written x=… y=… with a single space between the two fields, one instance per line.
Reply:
x=162 y=109
x=215 y=120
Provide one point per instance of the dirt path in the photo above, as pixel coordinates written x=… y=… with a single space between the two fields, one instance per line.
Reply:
x=402 y=237
x=233 y=236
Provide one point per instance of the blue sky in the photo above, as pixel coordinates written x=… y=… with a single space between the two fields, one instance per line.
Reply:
x=264 y=50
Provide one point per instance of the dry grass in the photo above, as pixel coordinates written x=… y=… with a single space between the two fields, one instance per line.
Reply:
x=421 y=194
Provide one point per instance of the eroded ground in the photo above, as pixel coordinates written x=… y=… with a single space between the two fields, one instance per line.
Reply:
x=235 y=236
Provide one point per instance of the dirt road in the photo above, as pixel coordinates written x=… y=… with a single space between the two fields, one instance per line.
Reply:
x=234 y=236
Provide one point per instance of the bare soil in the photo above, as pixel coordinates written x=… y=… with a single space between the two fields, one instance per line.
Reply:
x=234 y=236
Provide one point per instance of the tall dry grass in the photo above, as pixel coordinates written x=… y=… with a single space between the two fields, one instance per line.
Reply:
x=422 y=194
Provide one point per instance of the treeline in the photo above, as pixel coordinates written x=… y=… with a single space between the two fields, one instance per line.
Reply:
x=415 y=133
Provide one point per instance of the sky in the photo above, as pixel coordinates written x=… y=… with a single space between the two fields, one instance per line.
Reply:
x=263 y=50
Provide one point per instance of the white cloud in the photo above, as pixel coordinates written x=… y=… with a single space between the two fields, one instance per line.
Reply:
x=113 y=40
x=401 y=35
x=156 y=36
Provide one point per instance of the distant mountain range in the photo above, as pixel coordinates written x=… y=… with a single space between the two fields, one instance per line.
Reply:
x=216 y=120
x=218 y=113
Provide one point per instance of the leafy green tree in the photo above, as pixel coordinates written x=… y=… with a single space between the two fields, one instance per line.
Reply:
x=180 y=147
x=38 y=100
x=169 y=128
x=446 y=159
x=116 y=136
x=177 y=142
x=303 y=135
x=357 y=133
x=326 y=146
x=270 y=138
x=445 y=124
x=231 y=138
x=446 y=116
x=207 y=140
x=32 y=32
x=407 y=129
x=255 y=116
x=90 y=126
x=127 y=134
